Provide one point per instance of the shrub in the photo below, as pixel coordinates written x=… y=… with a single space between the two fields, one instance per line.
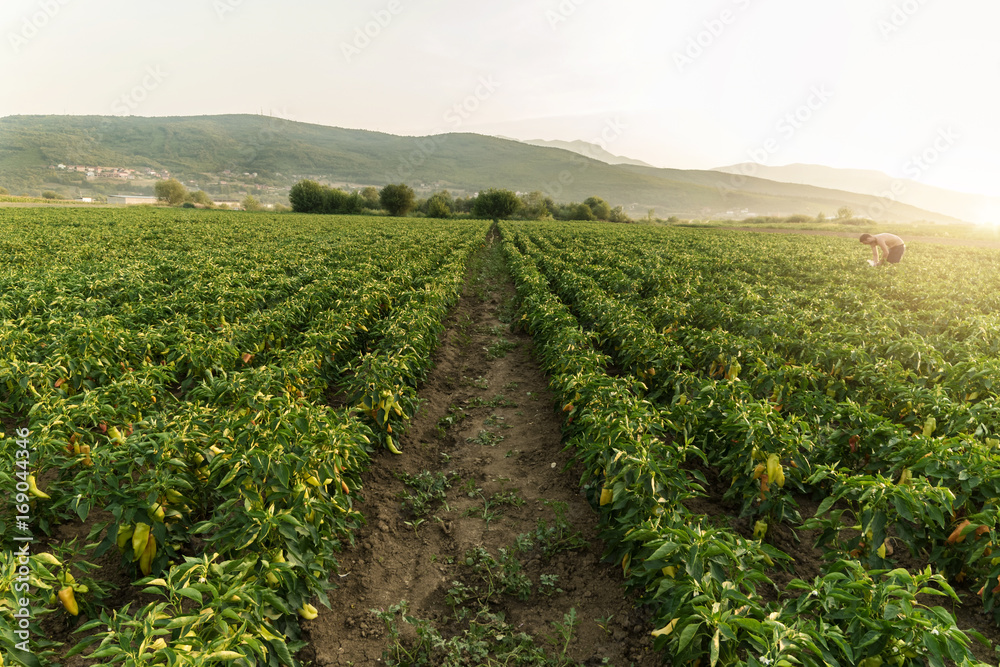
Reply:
x=307 y=197
x=398 y=199
x=496 y=204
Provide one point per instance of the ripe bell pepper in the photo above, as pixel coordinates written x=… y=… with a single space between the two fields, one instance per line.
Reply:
x=148 y=554
x=69 y=600
x=34 y=490
x=124 y=536
x=139 y=539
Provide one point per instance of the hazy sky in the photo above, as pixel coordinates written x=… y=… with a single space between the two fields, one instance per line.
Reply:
x=909 y=87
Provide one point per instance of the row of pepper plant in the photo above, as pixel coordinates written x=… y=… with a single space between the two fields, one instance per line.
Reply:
x=850 y=432
x=202 y=391
x=779 y=427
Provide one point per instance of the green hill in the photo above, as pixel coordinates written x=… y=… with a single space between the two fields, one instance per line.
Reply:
x=202 y=149
x=967 y=206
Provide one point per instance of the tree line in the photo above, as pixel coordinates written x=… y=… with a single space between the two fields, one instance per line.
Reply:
x=401 y=200
x=173 y=193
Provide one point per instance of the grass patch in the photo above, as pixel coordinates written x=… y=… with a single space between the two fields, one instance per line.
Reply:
x=455 y=416
x=479 y=383
x=486 y=438
x=426 y=489
x=557 y=536
x=499 y=349
x=498 y=401
x=481 y=635
x=487 y=639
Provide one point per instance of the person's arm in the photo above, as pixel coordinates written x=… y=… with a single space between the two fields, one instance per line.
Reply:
x=885 y=251
x=875 y=252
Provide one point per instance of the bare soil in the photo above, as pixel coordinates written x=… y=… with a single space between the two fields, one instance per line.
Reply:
x=508 y=441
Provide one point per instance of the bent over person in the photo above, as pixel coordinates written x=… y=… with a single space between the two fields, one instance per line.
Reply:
x=892 y=248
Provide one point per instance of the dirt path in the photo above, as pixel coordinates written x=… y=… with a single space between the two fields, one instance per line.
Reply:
x=484 y=479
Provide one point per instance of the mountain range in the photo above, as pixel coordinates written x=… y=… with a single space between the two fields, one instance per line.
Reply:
x=203 y=151
x=586 y=149
x=888 y=190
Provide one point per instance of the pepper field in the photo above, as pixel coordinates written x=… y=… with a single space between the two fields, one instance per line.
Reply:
x=198 y=393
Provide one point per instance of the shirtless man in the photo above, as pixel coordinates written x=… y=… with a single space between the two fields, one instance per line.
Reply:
x=892 y=248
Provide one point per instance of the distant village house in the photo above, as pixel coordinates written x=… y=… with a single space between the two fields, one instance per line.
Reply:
x=131 y=199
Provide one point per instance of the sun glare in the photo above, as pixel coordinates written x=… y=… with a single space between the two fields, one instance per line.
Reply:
x=989 y=216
